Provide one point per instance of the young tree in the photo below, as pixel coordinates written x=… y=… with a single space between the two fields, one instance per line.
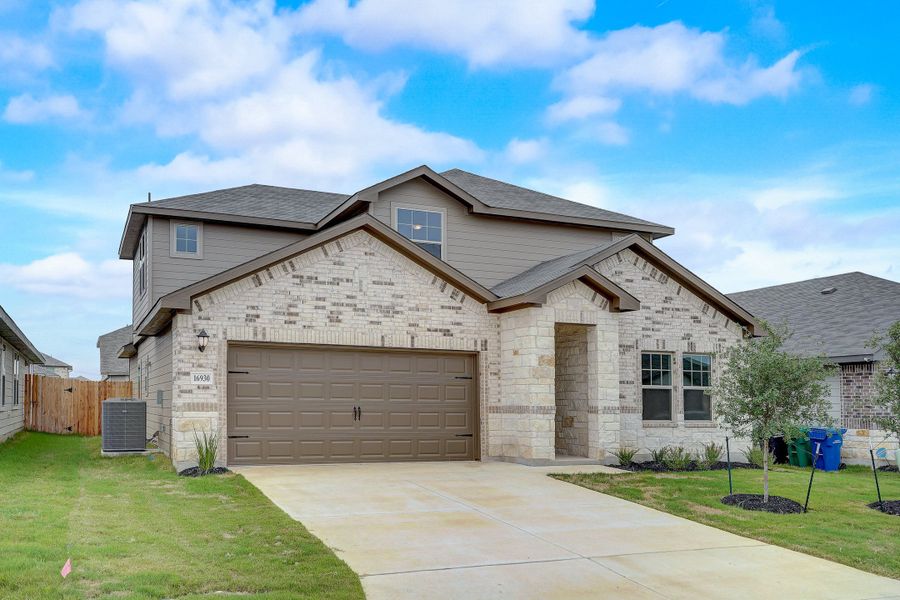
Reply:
x=764 y=390
x=887 y=380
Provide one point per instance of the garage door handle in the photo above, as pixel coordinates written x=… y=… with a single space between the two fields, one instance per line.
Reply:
x=464 y=435
x=238 y=372
x=235 y=437
x=466 y=377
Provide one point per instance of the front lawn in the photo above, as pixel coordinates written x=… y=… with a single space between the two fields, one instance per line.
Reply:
x=839 y=526
x=134 y=529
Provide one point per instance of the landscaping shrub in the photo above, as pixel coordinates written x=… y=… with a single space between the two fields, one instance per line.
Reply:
x=625 y=455
x=678 y=459
x=659 y=455
x=709 y=456
x=207 y=445
x=756 y=457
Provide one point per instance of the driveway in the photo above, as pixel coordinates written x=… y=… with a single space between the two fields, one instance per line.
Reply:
x=499 y=530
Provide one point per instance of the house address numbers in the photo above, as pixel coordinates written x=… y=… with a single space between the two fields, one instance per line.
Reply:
x=201 y=377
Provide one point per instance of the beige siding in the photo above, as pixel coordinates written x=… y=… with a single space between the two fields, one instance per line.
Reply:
x=489 y=249
x=155 y=386
x=12 y=416
x=224 y=246
x=141 y=302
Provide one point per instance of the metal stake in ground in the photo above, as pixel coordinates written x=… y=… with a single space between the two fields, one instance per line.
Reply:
x=875 y=473
x=728 y=459
x=812 y=474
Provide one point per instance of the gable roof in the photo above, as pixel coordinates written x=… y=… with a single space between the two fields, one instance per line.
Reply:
x=11 y=333
x=50 y=361
x=181 y=299
x=499 y=194
x=546 y=271
x=109 y=345
x=837 y=324
x=308 y=210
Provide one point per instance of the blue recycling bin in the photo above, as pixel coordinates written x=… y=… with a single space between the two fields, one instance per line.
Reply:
x=829 y=442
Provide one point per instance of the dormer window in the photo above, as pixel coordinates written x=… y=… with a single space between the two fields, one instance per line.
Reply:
x=187 y=240
x=423 y=227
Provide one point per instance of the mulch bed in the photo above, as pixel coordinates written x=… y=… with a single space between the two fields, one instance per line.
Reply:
x=776 y=504
x=196 y=472
x=891 y=507
x=888 y=468
x=661 y=468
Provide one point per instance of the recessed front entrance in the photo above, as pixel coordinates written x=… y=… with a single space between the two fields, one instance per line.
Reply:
x=316 y=404
x=572 y=390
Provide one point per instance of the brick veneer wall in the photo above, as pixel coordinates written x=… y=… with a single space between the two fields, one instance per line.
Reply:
x=673 y=320
x=353 y=291
x=857 y=390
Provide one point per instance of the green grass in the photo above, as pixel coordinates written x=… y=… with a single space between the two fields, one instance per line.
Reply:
x=134 y=529
x=839 y=526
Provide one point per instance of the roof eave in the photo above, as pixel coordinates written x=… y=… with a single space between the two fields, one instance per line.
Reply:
x=619 y=299
x=181 y=300
x=18 y=340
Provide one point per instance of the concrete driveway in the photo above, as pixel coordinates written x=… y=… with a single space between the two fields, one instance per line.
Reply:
x=499 y=530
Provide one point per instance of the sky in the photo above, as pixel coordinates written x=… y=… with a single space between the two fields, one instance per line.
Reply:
x=765 y=133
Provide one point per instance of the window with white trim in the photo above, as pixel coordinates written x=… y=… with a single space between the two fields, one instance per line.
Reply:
x=187 y=240
x=2 y=374
x=696 y=372
x=16 y=375
x=142 y=263
x=423 y=227
x=656 y=386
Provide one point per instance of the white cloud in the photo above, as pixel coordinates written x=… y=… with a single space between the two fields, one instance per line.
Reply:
x=27 y=109
x=673 y=59
x=261 y=111
x=806 y=191
x=69 y=275
x=12 y=176
x=610 y=133
x=580 y=107
x=525 y=151
x=19 y=54
x=500 y=32
x=861 y=94
x=191 y=48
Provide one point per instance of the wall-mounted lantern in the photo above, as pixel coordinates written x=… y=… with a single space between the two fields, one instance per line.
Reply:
x=202 y=340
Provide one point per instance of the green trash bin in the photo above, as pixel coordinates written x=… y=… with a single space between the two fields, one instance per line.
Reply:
x=799 y=453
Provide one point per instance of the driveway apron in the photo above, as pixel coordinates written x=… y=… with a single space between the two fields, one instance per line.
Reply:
x=499 y=530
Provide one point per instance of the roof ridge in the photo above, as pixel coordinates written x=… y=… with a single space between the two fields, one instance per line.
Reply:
x=812 y=279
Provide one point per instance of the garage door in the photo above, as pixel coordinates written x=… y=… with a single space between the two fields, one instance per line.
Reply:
x=313 y=404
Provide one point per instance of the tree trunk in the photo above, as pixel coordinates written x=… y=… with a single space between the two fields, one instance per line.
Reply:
x=765 y=472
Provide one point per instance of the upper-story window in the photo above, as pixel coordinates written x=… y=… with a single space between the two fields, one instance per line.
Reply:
x=187 y=240
x=695 y=371
x=142 y=263
x=424 y=227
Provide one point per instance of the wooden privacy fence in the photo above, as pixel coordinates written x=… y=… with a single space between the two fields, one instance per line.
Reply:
x=58 y=405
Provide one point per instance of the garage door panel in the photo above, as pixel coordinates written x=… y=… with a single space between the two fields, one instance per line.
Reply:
x=296 y=405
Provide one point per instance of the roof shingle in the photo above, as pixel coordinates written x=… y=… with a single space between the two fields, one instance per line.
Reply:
x=545 y=272
x=836 y=324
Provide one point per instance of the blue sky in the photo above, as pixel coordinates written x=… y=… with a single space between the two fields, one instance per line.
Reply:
x=766 y=134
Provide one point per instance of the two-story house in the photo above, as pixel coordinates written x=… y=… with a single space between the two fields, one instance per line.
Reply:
x=431 y=316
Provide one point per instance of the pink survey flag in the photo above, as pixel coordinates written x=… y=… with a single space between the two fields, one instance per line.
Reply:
x=67 y=568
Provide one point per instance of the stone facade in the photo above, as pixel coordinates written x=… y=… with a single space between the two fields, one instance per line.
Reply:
x=571 y=390
x=671 y=320
x=559 y=378
x=354 y=291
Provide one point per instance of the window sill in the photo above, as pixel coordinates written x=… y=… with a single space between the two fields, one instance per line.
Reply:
x=701 y=424
x=658 y=424
x=185 y=255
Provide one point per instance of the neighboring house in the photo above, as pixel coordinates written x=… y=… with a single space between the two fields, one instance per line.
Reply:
x=52 y=367
x=16 y=355
x=836 y=317
x=431 y=316
x=113 y=368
